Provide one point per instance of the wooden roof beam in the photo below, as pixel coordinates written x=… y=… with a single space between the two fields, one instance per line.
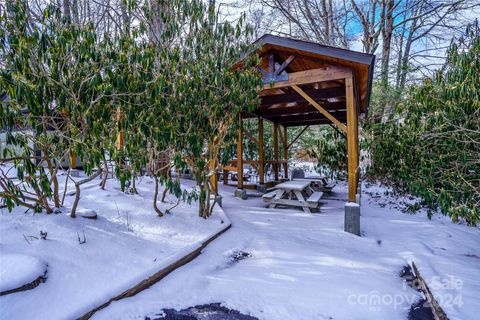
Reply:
x=307 y=122
x=305 y=117
x=311 y=76
x=284 y=65
x=273 y=74
x=302 y=108
x=316 y=94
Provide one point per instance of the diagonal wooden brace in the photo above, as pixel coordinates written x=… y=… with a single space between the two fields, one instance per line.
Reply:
x=320 y=108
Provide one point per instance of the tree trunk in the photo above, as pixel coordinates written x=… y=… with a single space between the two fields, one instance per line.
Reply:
x=77 y=189
x=103 y=183
x=75 y=14
x=125 y=19
x=155 y=197
x=54 y=179
x=387 y=41
x=133 y=189
x=66 y=11
x=406 y=56
x=156 y=28
x=66 y=185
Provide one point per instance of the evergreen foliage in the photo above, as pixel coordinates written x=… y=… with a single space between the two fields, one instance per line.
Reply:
x=432 y=150
x=328 y=148
x=127 y=101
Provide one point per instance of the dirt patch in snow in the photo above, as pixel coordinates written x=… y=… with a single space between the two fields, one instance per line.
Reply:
x=421 y=309
x=212 y=311
x=235 y=257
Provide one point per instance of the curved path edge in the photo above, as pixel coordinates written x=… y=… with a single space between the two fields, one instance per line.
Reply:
x=29 y=286
x=145 y=284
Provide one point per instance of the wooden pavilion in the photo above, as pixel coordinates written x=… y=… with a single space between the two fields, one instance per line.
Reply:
x=307 y=84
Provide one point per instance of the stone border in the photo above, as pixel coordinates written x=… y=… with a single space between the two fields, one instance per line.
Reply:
x=157 y=276
x=437 y=310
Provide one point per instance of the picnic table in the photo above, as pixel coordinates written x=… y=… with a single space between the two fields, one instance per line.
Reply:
x=318 y=183
x=296 y=193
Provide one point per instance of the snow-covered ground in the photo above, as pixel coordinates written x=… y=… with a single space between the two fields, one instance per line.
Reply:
x=272 y=264
x=18 y=270
x=293 y=265
x=127 y=243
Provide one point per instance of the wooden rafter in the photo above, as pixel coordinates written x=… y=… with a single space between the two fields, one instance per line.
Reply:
x=311 y=76
x=302 y=123
x=320 y=108
x=311 y=122
x=340 y=115
x=294 y=97
x=274 y=75
x=284 y=65
x=271 y=63
x=304 y=108
x=263 y=71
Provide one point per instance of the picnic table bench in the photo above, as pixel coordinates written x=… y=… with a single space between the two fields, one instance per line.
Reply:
x=297 y=193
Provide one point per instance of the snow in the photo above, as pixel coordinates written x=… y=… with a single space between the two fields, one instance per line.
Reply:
x=126 y=244
x=272 y=264
x=87 y=213
x=303 y=266
x=17 y=270
x=352 y=205
x=293 y=185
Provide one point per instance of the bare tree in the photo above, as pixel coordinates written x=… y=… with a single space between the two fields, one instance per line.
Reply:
x=367 y=14
x=322 y=21
x=424 y=33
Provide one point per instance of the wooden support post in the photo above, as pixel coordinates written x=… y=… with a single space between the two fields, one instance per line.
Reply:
x=240 y=153
x=285 y=152
x=352 y=140
x=225 y=176
x=213 y=163
x=120 y=140
x=121 y=134
x=72 y=158
x=261 y=155
x=275 y=150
